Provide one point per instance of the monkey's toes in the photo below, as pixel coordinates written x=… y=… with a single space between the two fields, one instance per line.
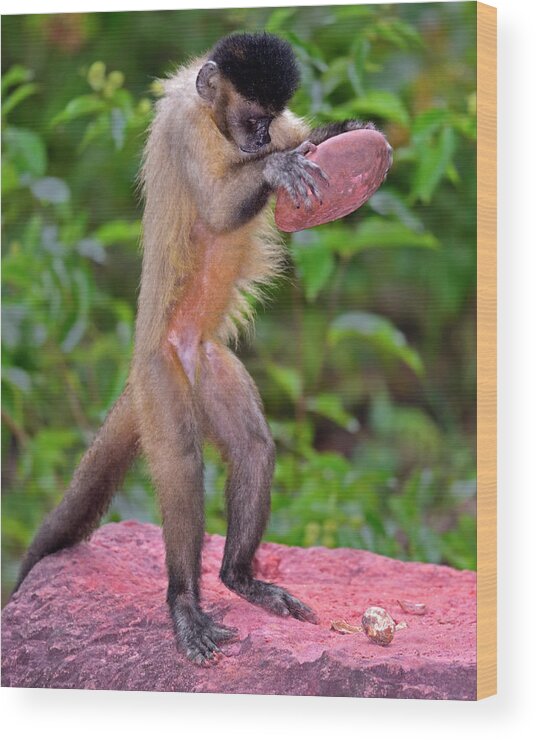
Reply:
x=275 y=599
x=202 y=646
x=218 y=633
x=299 y=610
x=203 y=652
x=198 y=635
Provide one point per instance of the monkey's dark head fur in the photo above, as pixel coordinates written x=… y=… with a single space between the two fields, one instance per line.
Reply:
x=261 y=66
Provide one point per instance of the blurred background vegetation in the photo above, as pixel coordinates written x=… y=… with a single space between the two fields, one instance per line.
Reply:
x=365 y=355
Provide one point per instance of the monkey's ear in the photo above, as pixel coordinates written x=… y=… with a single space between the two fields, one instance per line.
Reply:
x=206 y=82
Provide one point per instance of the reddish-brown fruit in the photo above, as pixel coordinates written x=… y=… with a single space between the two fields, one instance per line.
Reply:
x=356 y=164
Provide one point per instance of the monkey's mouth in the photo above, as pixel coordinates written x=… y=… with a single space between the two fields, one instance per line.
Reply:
x=252 y=151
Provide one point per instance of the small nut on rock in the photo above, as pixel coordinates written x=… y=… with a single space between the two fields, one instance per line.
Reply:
x=379 y=625
x=341 y=626
x=411 y=607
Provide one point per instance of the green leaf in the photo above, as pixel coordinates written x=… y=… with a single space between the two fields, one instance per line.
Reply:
x=465 y=125
x=77 y=330
x=20 y=94
x=309 y=50
x=388 y=202
x=375 y=232
x=336 y=74
x=434 y=161
x=349 y=13
x=377 y=331
x=400 y=34
x=383 y=104
x=83 y=105
x=372 y=232
x=452 y=174
x=95 y=128
x=96 y=75
x=10 y=180
x=114 y=82
x=46 y=450
x=459 y=545
x=359 y=53
x=428 y=123
x=119 y=231
x=26 y=150
x=278 y=19
x=314 y=263
x=15 y=75
x=411 y=430
x=287 y=379
x=330 y=406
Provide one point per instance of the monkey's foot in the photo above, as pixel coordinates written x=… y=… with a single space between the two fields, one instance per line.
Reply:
x=199 y=635
x=272 y=598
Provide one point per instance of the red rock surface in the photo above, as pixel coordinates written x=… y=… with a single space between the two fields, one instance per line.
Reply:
x=356 y=163
x=94 y=617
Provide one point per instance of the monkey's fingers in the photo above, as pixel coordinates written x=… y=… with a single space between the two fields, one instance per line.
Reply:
x=292 y=190
x=306 y=147
x=313 y=186
x=316 y=170
x=303 y=191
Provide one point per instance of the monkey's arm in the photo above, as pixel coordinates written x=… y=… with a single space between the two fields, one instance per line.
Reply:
x=328 y=130
x=226 y=203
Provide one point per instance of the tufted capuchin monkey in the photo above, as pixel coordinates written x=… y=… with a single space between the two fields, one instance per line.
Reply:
x=221 y=143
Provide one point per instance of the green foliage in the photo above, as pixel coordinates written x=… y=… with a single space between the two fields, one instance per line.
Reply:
x=379 y=332
x=365 y=360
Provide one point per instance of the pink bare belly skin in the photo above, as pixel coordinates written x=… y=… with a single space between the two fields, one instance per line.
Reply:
x=205 y=296
x=356 y=164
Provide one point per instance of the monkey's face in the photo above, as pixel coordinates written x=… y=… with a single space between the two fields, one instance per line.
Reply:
x=244 y=122
x=248 y=126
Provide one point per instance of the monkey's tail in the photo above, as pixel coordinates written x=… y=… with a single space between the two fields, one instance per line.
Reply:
x=98 y=475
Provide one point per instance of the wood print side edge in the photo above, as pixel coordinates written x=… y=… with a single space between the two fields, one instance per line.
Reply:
x=486 y=33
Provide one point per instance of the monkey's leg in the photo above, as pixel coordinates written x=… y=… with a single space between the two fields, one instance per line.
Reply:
x=98 y=475
x=172 y=442
x=235 y=421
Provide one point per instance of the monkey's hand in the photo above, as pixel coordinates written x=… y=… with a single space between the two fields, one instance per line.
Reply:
x=295 y=173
